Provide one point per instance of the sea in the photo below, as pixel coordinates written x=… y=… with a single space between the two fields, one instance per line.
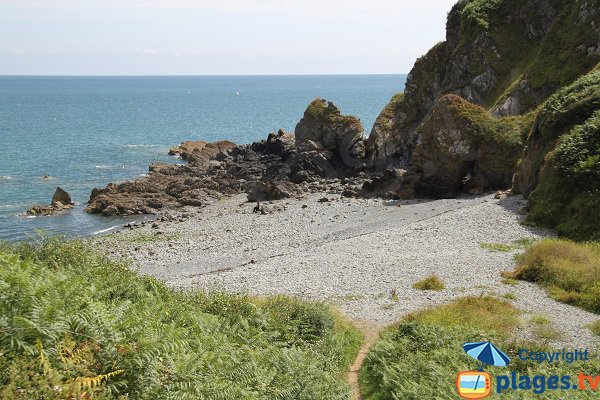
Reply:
x=86 y=132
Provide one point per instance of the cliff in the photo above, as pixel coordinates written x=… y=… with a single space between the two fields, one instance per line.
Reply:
x=495 y=98
x=507 y=56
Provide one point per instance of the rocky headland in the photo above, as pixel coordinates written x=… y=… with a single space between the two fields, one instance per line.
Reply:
x=509 y=101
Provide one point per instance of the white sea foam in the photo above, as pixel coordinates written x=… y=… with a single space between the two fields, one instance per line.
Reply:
x=103 y=166
x=5 y=177
x=140 y=145
x=105 y=230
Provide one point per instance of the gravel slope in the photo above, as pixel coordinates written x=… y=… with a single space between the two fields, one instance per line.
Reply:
x=352 y=253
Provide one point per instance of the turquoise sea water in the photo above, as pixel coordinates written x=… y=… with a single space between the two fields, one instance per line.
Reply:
x=85 y=132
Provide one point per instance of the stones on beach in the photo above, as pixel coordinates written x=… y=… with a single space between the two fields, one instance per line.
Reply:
x=61 y=202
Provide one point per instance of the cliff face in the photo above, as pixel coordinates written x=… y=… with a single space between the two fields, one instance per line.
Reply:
x=560 y=169
x=507 y=56
x=502 y=95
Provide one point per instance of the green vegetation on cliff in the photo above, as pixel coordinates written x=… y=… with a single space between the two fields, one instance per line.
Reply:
x=531 y=48
x=74 y=324
x=564 y=149
x=459 y=139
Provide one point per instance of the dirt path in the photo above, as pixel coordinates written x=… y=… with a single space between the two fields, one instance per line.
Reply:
x=371 y=333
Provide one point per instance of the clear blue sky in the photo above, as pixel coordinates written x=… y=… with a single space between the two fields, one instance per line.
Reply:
x=198 y=37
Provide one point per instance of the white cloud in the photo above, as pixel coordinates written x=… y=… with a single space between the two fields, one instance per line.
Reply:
x=18 y=52
x=148 y=50
x=55 y=51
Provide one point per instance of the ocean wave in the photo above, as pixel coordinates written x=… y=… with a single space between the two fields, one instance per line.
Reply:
x=104 y=166
x=5 y=177
x=105 y=230
x=141 y=145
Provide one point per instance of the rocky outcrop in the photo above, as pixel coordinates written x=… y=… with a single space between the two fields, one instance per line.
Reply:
x=326 y=147
x=61 y=202
x=507 y=56
x=569 y=107
x=323 y=127
x=461 y=148
x=199 y=152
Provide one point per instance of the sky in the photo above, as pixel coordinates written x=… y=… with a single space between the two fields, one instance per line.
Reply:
x=217 y=37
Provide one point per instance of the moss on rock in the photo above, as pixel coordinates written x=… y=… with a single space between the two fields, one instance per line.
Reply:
x=461 y=147
x=567 y=197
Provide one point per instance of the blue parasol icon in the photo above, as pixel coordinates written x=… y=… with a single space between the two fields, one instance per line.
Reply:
x=486 y=353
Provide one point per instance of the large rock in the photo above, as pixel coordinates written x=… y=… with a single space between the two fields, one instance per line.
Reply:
x=61 y=198
x=560 y=170
x=199 y=152
x=462 y=148
x=324 y=126
x=61 y=202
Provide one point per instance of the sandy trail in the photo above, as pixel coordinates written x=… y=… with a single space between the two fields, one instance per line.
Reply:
x=353 y=253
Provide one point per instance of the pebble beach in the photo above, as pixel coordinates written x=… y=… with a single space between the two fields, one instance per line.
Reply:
x=361 y=255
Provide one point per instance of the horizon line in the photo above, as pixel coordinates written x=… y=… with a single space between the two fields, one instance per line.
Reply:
x=193 y=75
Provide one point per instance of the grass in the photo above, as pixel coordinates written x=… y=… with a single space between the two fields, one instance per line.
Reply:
x=518 y=244
x=420 y=356
x=595 y=327
x=510 y=296
x=74 y=324
x=353 y=297
x=432 y=282
x=543 y=328
x=510 y=281
x=500 y=247
x=570 y=271
x=484 y=313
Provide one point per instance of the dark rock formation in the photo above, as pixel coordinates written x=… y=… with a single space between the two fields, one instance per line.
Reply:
x=324 y=125
x=509 y=57
x=326 y=147
x=61 y=202
x=461 y=125
x=461 y=148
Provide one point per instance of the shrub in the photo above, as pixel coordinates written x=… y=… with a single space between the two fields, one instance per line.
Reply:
x=419 y=357
x=432 y=282
x=571 y=271
x=74 y=324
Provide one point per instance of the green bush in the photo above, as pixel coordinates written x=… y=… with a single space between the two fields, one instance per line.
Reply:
x=420 y=357
x=567 y=196
x=73 y=323
x=432 y=282
x=571 y=271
